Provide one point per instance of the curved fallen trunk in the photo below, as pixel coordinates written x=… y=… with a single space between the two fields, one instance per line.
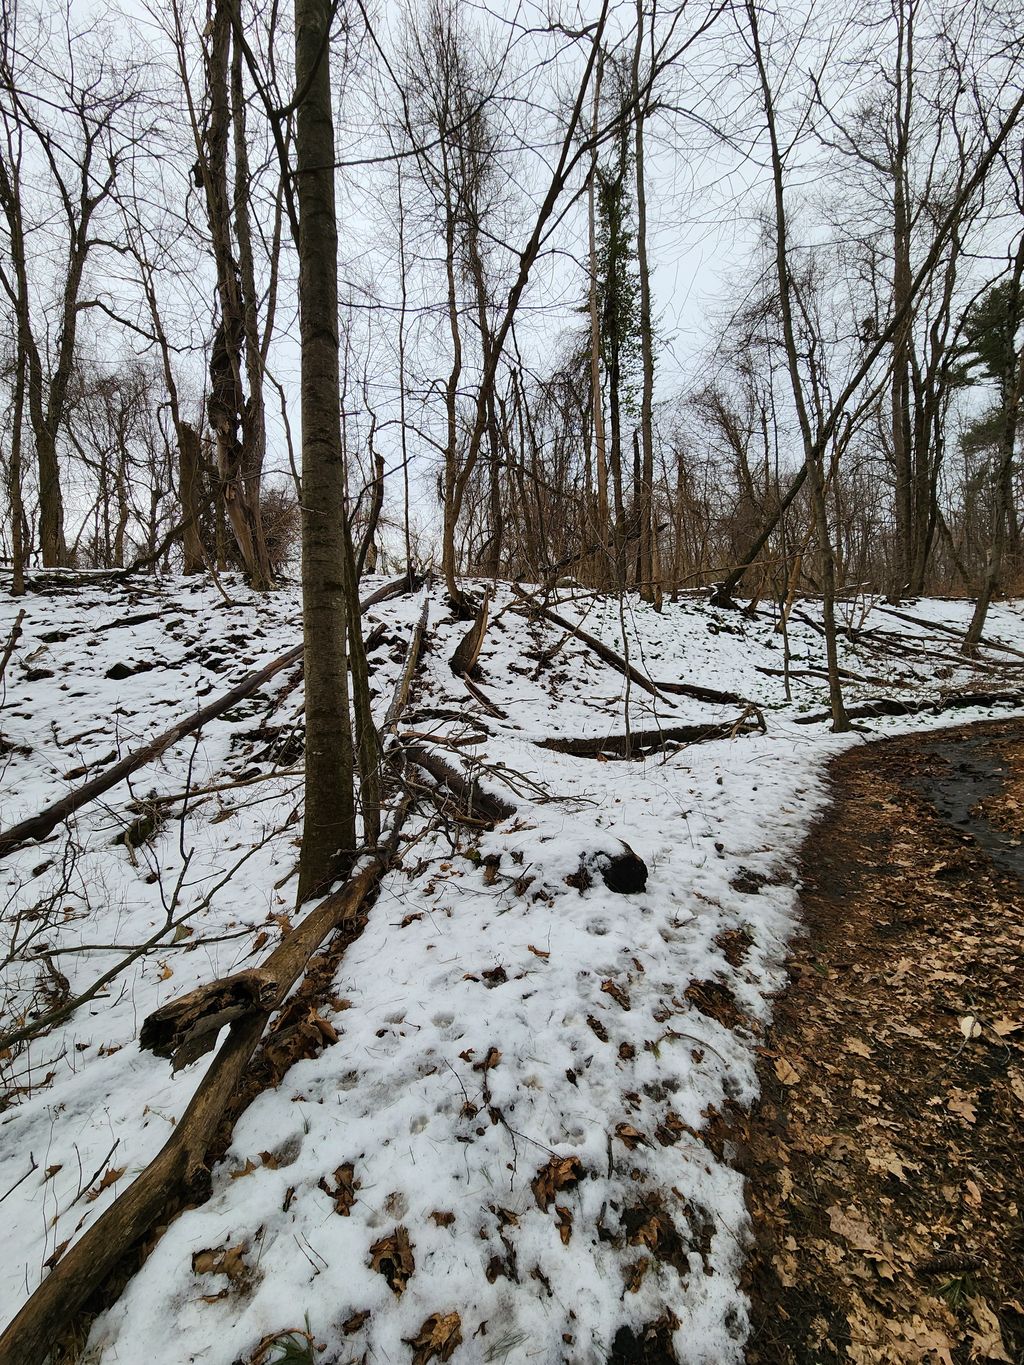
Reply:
x=38 y=826
x=468 y=794
x=892 y=706
x=640 y=743
x=179 y=1168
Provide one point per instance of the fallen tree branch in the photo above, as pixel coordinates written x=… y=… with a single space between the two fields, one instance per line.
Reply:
x=467 y=790
x=179 y=1167
x=412 y=657
x=892 y=706
x=640 y=743
x=948 y=630
x=709 y=694
x=40 y=825
x=12 y=641
x=603 y=651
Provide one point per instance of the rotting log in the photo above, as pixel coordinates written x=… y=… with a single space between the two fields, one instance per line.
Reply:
x=38 y=826
x=464 y=660
x=640 y=743
x=598 y=647
x=186 y=1028
x=466 y=790
x=893 y=706
x=179 y=1168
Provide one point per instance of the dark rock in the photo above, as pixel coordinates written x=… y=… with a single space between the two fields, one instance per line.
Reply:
x=625 y=872
x=122 y=670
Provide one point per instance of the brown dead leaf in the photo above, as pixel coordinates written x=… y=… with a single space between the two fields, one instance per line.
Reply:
x=987 y=1341
x=962 y=1104
x=629 y=1136
x=635 y=1273
x=222 y=1261
x=1003 y=1027
x=620 y=996
x=56 y=1254
x=857 y=1046
x=392 y=1257
x=537 y=952
x=354 y=1323
x=489 y=1062
x=443 y=1219
x=437 y=1339
x=786 y=1072
x=852 y=1225
x=560 y=1173
x=564 y=1223
x=110 y=1175
x=344 y=1193
x=1017 y=1084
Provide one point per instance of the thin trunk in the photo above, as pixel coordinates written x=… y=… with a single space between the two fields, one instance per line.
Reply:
x=650 y=588
x=17 y=509
x=813 y=444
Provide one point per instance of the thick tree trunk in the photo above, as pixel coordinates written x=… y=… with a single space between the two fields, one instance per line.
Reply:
x=329 y=827
x=189 y=484
x=236 y=420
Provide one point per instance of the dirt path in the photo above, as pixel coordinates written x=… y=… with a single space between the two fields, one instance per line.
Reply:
x=886 y=1158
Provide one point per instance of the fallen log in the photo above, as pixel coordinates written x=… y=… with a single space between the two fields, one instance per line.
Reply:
x=892 y=706
x=947 y=630
x=482 y=699
x=641 y=743
x=179 y=1168
x=603 y=651
x=709 y=694
x=401 y=693
x=844 y=673
x=12 y=641
x=40 y=825
x=186 y=1028
x=466 y=790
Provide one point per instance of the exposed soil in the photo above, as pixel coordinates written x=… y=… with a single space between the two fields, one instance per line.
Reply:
x=885 y=1160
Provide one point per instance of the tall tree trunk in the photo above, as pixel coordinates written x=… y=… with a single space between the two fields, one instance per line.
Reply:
x=650 y=588
x=16 y=505
x=600 y=529
x=230 y=412
x=451 y=501
x=329 y=828
x=189 y=485
x=813 y=443
x=1012 y=391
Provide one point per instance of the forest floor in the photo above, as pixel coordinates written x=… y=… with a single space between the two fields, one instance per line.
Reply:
x=884 y=1161
x=502 y=1120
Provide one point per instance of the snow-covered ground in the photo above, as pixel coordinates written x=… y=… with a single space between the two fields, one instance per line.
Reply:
x=526 y=1059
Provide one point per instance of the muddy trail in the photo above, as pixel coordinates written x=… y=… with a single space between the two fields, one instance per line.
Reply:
x=885 y=1160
